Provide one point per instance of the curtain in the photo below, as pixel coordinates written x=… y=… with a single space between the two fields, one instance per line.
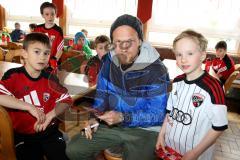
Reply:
x=144 y=12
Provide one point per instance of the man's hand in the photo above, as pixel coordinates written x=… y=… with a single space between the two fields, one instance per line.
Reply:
x=112 y=117
x=88 y=130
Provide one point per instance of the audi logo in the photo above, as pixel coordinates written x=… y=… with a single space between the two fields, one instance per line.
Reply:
x=180 y=116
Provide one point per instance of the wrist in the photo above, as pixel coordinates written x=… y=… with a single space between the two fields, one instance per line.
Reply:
x=121 y=117
x=28 y=107
x=196 y=152
x=51 y=115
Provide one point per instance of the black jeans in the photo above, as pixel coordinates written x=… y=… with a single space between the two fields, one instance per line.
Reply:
x=49 y=143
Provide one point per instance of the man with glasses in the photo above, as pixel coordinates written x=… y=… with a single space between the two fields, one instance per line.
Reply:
x=131 y=95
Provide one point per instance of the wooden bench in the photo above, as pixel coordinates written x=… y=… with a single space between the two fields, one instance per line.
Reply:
x=7 y=149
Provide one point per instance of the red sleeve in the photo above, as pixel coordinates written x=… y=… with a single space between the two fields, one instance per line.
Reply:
x=58 y=43
x=7 y=84
x=37 y=29
x=60 y=93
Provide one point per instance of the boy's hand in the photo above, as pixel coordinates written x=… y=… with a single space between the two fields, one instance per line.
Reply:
x=88 y=130
x=161 y=135
x=161 y=142
x=39 y=127
x=38 y=114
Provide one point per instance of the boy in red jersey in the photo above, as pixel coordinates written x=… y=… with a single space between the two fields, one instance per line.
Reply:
x=48 y=11
x=223 y=64
x=94 y=64
x=33 y=99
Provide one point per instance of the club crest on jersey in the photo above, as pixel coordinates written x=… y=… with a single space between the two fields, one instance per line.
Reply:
x=197 y=99
x=25 y=88
x=46 y=97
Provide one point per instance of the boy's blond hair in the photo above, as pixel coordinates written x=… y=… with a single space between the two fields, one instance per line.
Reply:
x=195 y=36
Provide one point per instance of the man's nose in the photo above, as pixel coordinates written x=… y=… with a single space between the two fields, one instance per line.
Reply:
x=125 y=45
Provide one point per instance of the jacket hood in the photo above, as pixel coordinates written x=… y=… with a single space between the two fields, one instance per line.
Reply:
x=147 y=56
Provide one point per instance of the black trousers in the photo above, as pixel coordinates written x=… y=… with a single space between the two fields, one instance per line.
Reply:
x=49 y=143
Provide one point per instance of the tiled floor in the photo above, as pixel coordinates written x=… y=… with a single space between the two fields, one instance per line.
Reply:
x=227 y=146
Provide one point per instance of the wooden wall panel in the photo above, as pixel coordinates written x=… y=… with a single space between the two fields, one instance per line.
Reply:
x=2 y=17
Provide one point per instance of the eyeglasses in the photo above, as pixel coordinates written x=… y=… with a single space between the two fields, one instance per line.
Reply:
x=123 y=45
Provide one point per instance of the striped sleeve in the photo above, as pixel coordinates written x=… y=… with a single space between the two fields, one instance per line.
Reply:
x=4 y=91
x=64 y=98
x=60 y=46
x=215 y=90
x=7 y=83
x=217 y=109
x=59 y=39
x=60 y=93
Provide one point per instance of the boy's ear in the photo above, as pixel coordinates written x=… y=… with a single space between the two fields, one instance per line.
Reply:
x=140 y=44
x=24 y=53
x=204 y=55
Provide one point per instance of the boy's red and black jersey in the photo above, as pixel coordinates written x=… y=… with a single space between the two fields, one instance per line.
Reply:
x=55 y=35
x=92 y=69
x=223 y=67
x=43 y=92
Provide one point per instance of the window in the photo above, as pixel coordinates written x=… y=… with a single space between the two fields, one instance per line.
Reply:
x=96 y=15
x=25 y=13
x=215 y=19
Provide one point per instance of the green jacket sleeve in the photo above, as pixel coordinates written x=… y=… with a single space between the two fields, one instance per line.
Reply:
x=87 y=51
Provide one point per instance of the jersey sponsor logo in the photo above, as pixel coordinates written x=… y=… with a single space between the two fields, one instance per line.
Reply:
x=32 y=98
x=46 y=97
x=197 y=99
x=180 y=116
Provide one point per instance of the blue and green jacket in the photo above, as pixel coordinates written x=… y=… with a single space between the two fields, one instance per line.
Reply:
x=139 y=92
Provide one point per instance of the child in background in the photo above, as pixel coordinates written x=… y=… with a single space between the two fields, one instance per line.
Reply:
x=32 y=27
x=223 y=64
x=34 y=102
x=48 y=11
x=94 y=64
x=5 y=36
x=86 y=35
x=80 y=44
x=196 y=110
x=17 y=34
